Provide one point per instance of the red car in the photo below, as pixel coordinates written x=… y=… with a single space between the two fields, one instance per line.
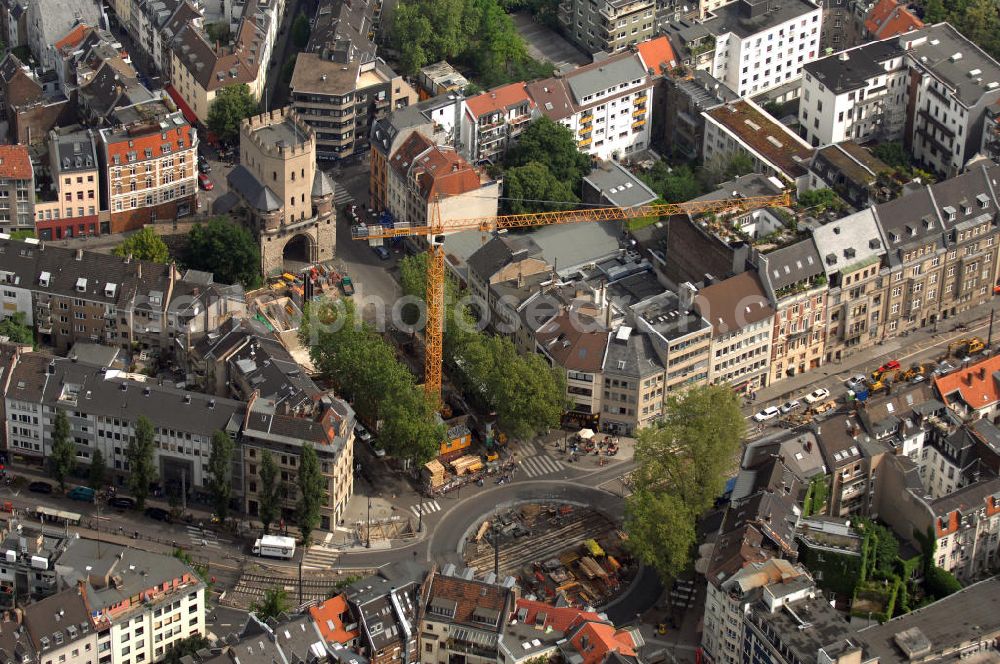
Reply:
x=889 y=366
x=205 y=183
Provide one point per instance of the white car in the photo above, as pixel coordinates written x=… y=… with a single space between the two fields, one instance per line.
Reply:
x=362 y=433
x=377 y=451
x=817 y=396
x=768 y=413
x=789 y=406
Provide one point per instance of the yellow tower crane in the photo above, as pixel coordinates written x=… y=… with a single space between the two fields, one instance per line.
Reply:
x=436 y=231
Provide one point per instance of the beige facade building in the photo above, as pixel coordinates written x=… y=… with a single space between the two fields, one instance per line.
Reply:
x=288 y=201
x=69 y=208
x=609 y=26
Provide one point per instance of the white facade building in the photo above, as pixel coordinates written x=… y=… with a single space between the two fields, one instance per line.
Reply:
x=858 y=95
x=605 y=104
x=761 y=45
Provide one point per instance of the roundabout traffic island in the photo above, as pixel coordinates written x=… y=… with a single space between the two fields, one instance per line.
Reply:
x=554 y=550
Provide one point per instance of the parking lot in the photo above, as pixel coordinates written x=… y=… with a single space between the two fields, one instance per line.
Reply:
x=546 y=45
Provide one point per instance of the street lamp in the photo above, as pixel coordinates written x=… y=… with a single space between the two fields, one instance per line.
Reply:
x=420 y=518
x=368 y=544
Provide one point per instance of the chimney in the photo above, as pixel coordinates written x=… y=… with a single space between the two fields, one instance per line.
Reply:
x=685 y=295
x=982 y=373
x=138 y=269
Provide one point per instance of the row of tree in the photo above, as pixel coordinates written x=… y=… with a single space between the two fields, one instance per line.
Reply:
x=682 y=466
x=364 y=370
x=527 y=395
x=475 y=35
x=220 y=246
x=141 y=467
x=976 y=19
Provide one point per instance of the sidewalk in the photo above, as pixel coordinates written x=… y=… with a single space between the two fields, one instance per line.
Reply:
x=899 y=348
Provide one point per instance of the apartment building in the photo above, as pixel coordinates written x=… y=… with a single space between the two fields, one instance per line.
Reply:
x=852 y=254
x=941 y=249
x=60 y=628
x=990 y=146
x=742 y=322
x=888 y=18
x=140 y=603
x=686 y=100
x=974 y=391
x=48 y=21
x=742 y=127
x=727 y=603
x=149 y=167
x=17 y=189
x=462 y=618
x=74 y=192
x=605 y=104
x=31 y=104
x=854 y=173
x=387 y=615
x=633 y=383
x=425 y=179
x=277 y=173
x=576 y=344
x=858 y=95
x=493 y=121
x=609 y=26
x=273 y=425
x=31 y=553
x=952 y=83
x=755 y=46
x=796 y=284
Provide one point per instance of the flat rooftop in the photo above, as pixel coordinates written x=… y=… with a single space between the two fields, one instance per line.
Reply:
x=851 y=70
x=769 y=139
x=735 y=17
x=282 y=134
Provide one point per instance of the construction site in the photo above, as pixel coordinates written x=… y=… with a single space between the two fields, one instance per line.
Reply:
x=555 y=551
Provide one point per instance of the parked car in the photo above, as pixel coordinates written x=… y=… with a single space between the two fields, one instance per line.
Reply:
x=889 y=366
x=377 y=451
x=123 y=502
x=768 y=413
x=158 y=513
x=203 y=164
x=40 y=487
x=381 y=252
x=362 y=433
x=205 y=183
x=817 y=395
x=856 y=381
x=789 y=406
x=82 y=493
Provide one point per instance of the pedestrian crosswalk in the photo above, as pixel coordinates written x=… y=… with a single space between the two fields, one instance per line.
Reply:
x=341 y=196
x=425 y=508
x=201 y=537
x=320 y=557
x=540 y=464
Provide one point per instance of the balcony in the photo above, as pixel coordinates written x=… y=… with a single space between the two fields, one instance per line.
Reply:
x=641 y=99
x=639 y=112
x=638 y=123
x=584 y=143
x=520 y=119
x=586 y=118
x=584 y=131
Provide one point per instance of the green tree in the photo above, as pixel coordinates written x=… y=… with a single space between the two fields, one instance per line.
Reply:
x=739 y=164
x=139 y=455
x=681 y=467
x=533 y=188
x=232 y=105
x=62 y=458
x=934 y=12
x=15 y=328
x=550 y=143
x=273 y=605
x=185 y=647
x=821 y=200
x=661 y=531
x=892 y=153
x=218 y=32
x=220 y=464
x=226 y=249
x=300 y=31
x=527 y=394
x=269 y=498
x=412 y=31
x=98 y=470
x=409 y=428
x=941 y=583
x=312 y=492
x=144 y=245
x=21 y=234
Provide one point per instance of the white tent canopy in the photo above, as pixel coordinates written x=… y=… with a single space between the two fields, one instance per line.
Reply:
x=586 y=434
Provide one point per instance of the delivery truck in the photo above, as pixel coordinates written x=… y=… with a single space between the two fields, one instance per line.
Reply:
x=274 y=546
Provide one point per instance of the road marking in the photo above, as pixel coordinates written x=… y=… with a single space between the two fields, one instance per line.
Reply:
x=541 y=464
x=341 y=196
x=202 y=537
x=426 y=508
x=320 y=557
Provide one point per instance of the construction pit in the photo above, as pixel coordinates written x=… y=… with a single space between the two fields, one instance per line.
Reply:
x=554 y=550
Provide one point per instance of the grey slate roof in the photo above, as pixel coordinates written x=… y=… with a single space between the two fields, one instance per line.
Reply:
x=616 y=186
x=64 y=614
x=632 y=356
x=848 y=241
x=861 y=64
x=322 y=184
x=75 y=151
x=936 y=55
x=732 y=17
x=57 y=17
x=500 y=251
x=789 y=265
x=604 y=74
x=261 y=197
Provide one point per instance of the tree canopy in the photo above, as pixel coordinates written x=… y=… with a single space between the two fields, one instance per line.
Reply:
x=976 y=19
x=16 y=328
x=232 y=104
x=531 y=187
x=475 y=35
x=144 y=245
x=226 y=249
x=364 y=369
x=274 y=603
x=681 y=470
x=62 y=457
x=139 y=454
x=550 y=143
x=300 y=31
x=312 y=493
x=821 y=200
x=220 y=463
x=269 y=497
x=98 y=470
x=674 y=185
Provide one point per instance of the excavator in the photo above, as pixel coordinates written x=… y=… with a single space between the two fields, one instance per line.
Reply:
x=966 y=346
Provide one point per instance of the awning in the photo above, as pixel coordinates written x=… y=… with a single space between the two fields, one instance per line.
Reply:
x=586 y=434
x=189 y=115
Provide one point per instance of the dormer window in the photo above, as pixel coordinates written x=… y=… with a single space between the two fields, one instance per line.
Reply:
x=81 y=285
x=45 y=279
x=984 y=201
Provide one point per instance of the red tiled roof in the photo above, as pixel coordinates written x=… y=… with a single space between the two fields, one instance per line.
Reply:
x=73 y=38
x=446 y=173
x=888 y=19
x=974 y=385
x=657 y=54
x=329 y=618
x=415 y=144
x=595 y=640
x=498 y=99
x=559 y=618
x=142 y=137
x=15 y=164
x=469 y=597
